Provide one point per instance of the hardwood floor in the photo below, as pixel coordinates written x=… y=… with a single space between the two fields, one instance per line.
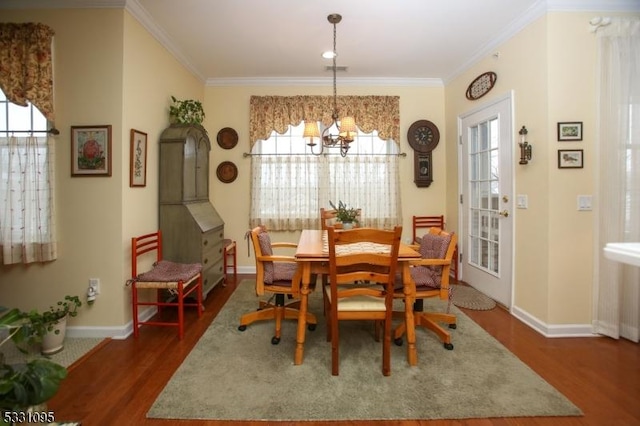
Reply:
x=117 y=383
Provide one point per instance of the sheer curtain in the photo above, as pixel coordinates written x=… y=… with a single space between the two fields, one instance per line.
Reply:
x=617 y=287
x=26 y=193
x=294 y=188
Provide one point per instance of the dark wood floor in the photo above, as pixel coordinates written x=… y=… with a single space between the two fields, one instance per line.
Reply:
x=117 y=383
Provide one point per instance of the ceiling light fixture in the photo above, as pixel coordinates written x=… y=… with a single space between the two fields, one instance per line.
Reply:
x=346 y=130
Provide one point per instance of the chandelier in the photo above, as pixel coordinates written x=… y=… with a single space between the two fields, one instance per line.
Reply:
x=346 y=130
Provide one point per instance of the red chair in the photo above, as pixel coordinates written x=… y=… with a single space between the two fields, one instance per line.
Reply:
x=434 y=222
x=173 y=282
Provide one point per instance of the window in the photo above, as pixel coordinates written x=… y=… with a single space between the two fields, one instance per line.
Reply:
x=290 y=185
x=26 y=185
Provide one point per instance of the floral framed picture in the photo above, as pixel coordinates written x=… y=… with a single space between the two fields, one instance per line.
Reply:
x=570 y=131
x=570 y=159
x=91 y=150
x=138 y=159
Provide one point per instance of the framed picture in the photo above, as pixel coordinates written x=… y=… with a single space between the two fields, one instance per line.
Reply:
x=570 y=131
x=138 y=159
x=91 y=150
x=570 y=159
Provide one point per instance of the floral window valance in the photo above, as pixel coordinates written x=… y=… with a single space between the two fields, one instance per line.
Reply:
x=268 y=113
x=26 y=71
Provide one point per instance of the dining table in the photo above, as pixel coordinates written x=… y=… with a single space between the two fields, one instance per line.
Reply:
x=312 y=255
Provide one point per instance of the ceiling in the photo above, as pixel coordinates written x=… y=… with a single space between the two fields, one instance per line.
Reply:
x=231 y=41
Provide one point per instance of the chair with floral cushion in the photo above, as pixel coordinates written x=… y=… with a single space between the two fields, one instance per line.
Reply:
x=431 y=276
x=280 y=276
x=174 y=283
x=425 y=222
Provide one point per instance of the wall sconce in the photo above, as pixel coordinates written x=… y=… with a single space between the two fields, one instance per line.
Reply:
x=525 y=148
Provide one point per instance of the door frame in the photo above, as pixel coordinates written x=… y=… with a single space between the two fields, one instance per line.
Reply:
x=509 y=96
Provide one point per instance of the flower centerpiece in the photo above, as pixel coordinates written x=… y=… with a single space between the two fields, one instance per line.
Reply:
x=345 y=214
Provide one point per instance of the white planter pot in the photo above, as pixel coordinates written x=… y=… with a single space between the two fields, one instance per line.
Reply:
x=53 y=341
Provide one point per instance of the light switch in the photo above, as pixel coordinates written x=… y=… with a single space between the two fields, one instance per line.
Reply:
x=584 y=203
x=522 y=201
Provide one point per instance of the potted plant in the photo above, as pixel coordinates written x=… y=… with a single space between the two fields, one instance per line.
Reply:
x=26 y=386
x=47 y=328
x=188 y=111
x=345 y=214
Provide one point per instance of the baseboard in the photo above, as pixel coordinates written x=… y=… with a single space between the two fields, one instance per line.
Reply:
x=116 y=332
x=553 y=330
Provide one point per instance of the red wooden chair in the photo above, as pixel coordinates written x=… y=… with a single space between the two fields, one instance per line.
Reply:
x=173 y=282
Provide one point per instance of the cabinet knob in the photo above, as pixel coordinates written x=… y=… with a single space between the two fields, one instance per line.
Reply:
x=206 y=261
x=205 y=242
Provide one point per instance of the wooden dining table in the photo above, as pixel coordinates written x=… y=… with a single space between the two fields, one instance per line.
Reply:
x=313 y=257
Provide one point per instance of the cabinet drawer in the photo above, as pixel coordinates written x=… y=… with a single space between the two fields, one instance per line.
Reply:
x=212 y=238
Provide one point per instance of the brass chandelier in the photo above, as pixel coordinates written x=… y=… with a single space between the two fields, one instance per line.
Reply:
x=346 y=130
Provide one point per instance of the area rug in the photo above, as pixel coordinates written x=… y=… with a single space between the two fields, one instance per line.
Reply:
x=74 y=349
x=468 y=297
x=234 y=375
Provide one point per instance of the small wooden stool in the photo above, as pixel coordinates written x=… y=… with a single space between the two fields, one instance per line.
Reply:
x=230 y=250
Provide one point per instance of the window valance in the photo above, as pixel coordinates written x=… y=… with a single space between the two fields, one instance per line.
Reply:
x=268 y=113
x=26 y=74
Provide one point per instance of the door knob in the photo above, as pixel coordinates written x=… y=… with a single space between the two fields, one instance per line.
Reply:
x=504 y=213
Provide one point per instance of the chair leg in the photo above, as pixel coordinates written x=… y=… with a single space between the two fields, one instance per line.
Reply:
x=180 y=310
x=335 y=343
x=134 y=304
x=386 y=346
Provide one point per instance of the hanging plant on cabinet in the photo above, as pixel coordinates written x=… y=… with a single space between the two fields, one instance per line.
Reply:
x=188 y=111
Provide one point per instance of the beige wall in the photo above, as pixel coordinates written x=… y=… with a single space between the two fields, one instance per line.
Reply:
x=229 y=107
x=103 y=61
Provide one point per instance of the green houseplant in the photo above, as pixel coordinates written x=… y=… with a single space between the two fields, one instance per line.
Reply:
x=345 y=214
x=38 y=326
x=26 y=385
x=188 y=111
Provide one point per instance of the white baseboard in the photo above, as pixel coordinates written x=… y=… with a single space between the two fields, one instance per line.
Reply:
x=116 y=332
x=553 y=330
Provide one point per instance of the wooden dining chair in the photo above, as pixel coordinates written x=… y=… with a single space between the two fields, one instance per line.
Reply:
x=426 y=222
x=362 y=269
x=173 y=282
x=279 y=275
x=431 y=277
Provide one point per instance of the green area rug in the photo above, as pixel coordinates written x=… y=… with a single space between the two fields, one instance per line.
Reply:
x=233 y=375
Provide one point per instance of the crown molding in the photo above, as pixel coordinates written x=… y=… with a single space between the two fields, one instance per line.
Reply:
x=349 y=81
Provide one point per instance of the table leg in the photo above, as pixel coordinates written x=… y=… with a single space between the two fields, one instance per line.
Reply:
x=409 y=299
x=302 y=316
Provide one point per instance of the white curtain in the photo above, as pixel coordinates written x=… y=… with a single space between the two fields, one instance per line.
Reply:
x=289 y=190
x=617 y=287
x=27 y=226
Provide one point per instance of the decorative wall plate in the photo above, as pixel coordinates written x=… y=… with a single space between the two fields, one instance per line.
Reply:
x=227 y=172
x=227 y=138
x=481 y=85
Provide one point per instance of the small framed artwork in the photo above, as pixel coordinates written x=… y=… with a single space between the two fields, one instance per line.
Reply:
x=138 y=159
x=570 y=131
x=91 y=150
x=570 y=159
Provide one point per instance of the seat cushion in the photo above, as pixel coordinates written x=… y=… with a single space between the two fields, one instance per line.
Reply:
x=434 y=246
x=167 y=271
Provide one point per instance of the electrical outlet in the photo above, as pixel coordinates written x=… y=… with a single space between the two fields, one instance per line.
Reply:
x=94 y=283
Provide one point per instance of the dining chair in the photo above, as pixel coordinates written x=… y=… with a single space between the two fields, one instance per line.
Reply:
x=431 y=276
x=173 y=282
x=362 y=268
x=279 y=275
x=426 y=222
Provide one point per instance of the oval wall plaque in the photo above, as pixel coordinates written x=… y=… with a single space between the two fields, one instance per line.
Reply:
x=481 y=85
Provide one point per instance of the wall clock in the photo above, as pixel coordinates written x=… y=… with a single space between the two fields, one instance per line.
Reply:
x=423 y=136
x=481 y=85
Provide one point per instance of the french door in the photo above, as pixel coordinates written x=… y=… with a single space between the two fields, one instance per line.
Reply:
x=486 y=189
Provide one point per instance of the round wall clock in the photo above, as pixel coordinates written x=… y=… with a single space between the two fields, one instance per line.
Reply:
x=481 y=85
x=423 y=136
x=227 y=138
x=227 y=172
